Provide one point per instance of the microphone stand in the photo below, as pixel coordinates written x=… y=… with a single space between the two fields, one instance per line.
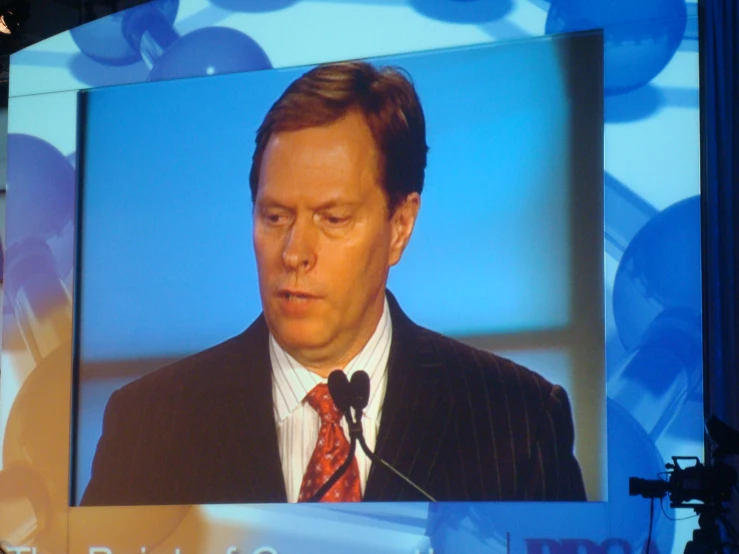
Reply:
x=376 y=459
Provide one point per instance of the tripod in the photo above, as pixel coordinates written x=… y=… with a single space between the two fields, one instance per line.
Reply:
x=707 y=538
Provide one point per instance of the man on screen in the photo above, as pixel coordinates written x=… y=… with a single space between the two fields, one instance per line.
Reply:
x=336 y=185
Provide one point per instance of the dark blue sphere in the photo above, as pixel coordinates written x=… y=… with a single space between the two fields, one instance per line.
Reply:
x=462 y=11
x=660 y=272
x=104 y=40
x=210 y=51
x=641 y=37
x=253 y=6
x=41 y=189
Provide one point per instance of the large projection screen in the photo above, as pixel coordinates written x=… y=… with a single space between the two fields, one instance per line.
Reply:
x=166 y=267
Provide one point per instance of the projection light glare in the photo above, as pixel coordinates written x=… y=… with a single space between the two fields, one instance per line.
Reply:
x=13 y=16
x=4 y=26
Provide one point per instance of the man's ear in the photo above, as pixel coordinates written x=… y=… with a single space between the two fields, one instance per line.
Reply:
x=403 y=220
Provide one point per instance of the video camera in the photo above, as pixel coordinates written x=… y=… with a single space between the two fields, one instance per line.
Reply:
x=705 y=488
x=707 y=484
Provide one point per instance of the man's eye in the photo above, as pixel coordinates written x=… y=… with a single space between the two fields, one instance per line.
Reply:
x=275 y=218
x=335 y=220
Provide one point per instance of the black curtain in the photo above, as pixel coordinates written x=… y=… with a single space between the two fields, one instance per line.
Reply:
x=720 y=166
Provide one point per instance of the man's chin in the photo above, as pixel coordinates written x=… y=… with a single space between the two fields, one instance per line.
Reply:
x=299 y=336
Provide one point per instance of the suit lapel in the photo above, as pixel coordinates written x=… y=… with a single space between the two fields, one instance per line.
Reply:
x=259 y=448
x=415 y=414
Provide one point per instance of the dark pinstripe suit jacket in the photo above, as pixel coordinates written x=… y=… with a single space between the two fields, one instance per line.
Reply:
x=462 y=423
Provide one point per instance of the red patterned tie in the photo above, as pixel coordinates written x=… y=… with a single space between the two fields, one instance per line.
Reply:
x=331 y=450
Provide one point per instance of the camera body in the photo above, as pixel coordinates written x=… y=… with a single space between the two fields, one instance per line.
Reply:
x=705 y=484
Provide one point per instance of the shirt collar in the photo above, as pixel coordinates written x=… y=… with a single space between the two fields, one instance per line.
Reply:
x=292 y=381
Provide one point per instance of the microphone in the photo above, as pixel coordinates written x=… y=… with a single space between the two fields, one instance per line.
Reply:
x=355 y=394
x=360 y=390
x=340 y=390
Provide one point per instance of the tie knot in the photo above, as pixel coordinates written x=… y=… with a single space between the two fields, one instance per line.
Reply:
x=320 y=400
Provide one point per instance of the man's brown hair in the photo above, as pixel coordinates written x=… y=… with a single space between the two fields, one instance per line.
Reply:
x=390 y=106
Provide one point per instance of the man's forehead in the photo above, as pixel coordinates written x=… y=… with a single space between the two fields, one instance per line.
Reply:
x=349 y=128
x=309 y=146
x=335 y=161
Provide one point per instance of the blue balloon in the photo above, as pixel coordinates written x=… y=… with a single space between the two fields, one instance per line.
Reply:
x=210 y=51
x=463 y=11
x=660 y=272
x=253 y=6
x=41 y=189
x=105 y=41
x=641 y=37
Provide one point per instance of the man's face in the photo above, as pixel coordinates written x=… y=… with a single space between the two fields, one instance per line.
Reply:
x=324 y=240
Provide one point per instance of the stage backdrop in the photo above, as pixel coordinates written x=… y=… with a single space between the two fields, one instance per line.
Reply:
x=651 y=261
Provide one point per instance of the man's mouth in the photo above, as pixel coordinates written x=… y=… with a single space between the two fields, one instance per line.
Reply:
x=296 y=303
x=296 y=296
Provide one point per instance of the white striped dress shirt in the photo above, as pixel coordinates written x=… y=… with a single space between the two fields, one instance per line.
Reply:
x=298 y=423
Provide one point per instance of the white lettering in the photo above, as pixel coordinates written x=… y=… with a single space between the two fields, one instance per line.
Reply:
x=265 y=550
x=18 y=549
x=99 y=550
x=232 y=550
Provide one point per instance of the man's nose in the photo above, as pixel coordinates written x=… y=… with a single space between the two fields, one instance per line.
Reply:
x=299 y=252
